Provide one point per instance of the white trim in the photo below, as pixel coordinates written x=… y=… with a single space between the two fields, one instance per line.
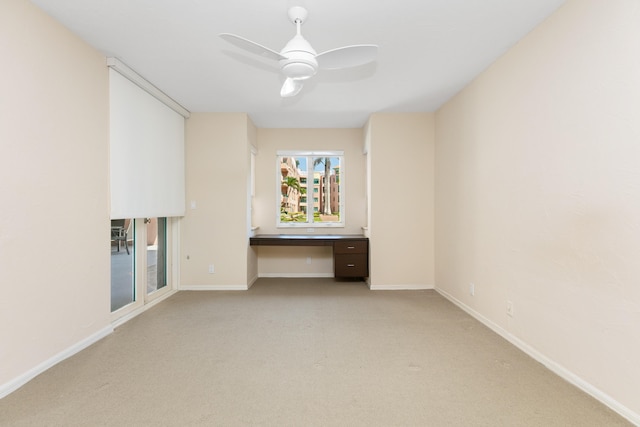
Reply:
x=252 y=172
x=550 y=364
x=133 y=313
x=310 y=225
x=214 y=288
x=18 y=382
x=145 y=85
x=296 y=275
x=307 y=153
x=412 y=287
x=252 y=281
x=175 y=259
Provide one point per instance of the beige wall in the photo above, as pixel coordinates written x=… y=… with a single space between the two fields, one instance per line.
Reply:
x=401 y=199
x=217 y=153
x=285 y=261
x=252 y=255
x=54 y=220
x=538 y=195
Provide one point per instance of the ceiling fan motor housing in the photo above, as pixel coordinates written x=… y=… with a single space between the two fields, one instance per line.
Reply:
x=301 y=61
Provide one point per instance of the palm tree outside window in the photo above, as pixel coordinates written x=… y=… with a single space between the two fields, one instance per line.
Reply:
x=297 y=171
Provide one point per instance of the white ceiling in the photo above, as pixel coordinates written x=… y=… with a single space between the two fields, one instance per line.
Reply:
x=429 y=50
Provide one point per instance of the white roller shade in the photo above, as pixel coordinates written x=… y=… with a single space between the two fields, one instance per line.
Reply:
x=147 y=153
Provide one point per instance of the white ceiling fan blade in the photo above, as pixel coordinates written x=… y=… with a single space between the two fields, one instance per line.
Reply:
x=291 y=87
x=252 y=47
x=348 y=56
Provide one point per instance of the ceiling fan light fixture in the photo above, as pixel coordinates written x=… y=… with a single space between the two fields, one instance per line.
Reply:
x=291 y=87
x=301 y=59
x=298 y=70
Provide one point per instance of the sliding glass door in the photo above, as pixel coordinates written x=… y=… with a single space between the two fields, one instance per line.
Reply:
x=156 y=254
x=123 y=277
x=140 y=262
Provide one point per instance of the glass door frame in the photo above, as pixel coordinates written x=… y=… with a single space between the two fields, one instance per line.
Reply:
x=141 y=297
x=171 y=264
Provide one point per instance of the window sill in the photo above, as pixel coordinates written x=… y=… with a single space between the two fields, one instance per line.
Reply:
x=311 y=226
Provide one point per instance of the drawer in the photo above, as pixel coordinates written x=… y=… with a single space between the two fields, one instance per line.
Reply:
x=351 y=265
x=350 y=247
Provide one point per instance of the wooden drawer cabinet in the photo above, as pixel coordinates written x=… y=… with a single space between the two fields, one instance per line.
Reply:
x=350 y=252
x=350 y=265
x=350 y=247
x=351 y=258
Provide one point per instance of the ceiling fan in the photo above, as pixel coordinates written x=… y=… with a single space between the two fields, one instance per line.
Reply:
x=299 y=61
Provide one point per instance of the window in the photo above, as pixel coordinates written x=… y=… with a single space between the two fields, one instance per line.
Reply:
x=296 y=170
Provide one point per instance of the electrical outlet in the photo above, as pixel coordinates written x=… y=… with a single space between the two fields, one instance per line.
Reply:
x=472 y=289
x=510 y=308
x=308 y=260
x=211 y=269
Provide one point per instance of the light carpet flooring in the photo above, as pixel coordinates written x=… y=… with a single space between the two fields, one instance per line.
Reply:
x=302 y=352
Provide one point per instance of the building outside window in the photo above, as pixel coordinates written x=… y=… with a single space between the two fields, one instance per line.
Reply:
x=295 y=170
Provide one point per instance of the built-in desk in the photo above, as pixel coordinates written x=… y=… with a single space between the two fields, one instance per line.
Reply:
x=350 y=252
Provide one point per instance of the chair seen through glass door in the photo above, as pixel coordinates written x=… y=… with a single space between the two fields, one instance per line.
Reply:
x=126 y=264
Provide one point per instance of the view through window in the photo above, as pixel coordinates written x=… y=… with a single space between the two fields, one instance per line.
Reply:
x=311 y=188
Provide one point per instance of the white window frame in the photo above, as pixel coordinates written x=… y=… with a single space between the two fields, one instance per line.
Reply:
x=310 y=155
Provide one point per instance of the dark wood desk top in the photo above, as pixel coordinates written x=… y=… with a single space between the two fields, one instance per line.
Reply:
x=301 y=239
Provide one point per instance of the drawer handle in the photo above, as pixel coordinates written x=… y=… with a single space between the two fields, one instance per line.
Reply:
x=351 y=247
x=351 y=265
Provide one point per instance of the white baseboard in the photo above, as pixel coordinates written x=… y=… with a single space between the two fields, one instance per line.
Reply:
x=412 y=287
x=553 y=366
x=252 y=281
x=18 y=382
x=296 y=275
x=215 y=288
